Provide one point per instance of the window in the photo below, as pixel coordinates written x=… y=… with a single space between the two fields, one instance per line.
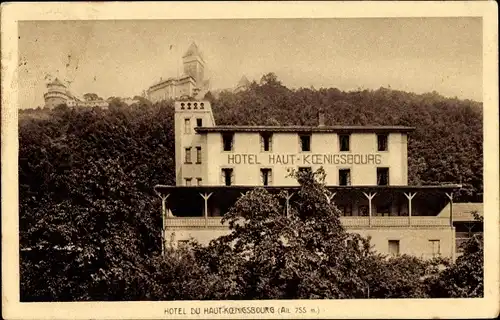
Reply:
x=187 y=125
x=199 y=122
x=382 y=176
x=394 y=247
x=305 y=169
x=188 y=181
x=305 y=142
x=266 y=141
x=384 y=209
x=344 y=142
x=363 y=210
x=435 y=247
x=382 y=142
x=266 y=176
x=345 y=177
x=346 y=210
x=198 y=155
x=198 y=181
x=227 y=141
x=182 y=243
x=227 y=176
x=187 y=155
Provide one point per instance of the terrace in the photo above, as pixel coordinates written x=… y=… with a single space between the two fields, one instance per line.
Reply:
x=361 y=207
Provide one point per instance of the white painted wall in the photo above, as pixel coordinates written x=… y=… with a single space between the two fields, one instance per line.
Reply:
x=247 y=158
x=412 y=241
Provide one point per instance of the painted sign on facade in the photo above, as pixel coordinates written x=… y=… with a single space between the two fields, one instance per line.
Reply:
x=304 y=159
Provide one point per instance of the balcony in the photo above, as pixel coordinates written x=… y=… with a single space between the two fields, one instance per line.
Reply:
x=348 y=222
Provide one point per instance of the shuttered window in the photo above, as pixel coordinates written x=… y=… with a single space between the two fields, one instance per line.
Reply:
x=266 y=142
x=227 y=176
x=266 y=176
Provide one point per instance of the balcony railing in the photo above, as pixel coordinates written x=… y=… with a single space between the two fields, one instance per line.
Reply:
x=415 y=221
x=348 y=222
x=195 y=222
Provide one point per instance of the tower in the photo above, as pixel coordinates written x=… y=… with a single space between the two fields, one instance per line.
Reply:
x=194 y=64
x=56 y=94
x=242 y=85
x=190 y=147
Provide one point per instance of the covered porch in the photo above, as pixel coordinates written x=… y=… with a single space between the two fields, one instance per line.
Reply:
x=361 y=206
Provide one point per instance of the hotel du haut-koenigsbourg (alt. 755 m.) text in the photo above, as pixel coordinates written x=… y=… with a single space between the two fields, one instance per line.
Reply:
x=366 y=176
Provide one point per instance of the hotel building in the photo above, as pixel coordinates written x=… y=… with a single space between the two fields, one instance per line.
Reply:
x=367 y=177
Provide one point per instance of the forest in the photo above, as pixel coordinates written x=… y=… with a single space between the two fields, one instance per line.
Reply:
x=90 y=221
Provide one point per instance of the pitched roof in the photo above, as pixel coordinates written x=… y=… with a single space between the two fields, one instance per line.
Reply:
x=57 y=82
x=462 y=211
x=243 y=82
x=193 y=50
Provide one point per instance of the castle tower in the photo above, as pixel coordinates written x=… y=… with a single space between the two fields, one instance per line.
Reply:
x=194 y=64
x=242 y=85
x=56 y=94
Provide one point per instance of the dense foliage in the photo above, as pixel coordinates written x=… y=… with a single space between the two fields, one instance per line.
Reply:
x=90 y=228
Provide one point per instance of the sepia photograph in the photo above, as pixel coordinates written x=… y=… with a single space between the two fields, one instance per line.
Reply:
x=249 y=166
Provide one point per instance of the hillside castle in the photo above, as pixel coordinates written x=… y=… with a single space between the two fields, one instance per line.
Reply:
x=190 y=85
x=58 y=93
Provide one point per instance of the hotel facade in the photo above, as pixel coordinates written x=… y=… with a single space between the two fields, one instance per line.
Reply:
x=366 y=177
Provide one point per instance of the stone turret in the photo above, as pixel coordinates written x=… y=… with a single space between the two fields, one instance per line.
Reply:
x=56 y=94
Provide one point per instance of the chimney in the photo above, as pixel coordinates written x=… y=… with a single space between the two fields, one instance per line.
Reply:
x=321 y=118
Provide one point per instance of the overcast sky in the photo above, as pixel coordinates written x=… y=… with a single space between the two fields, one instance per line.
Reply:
x=121 y=58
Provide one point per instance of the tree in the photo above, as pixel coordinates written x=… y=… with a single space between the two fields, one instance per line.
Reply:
x=270 y=79
x=465 y=278
x=90 y=246
x=270 y=254
x=91 y=97
x=88 y=220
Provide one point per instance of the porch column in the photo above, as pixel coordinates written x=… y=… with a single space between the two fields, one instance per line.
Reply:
x=288 y=197
x=409 y=196
x=205 y=198
x=453 y=243
x=329 y=197
x=163 y=217
x=450 y=197
x=370 y=196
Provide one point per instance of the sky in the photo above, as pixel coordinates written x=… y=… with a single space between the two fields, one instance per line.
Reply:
x=123 y=57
